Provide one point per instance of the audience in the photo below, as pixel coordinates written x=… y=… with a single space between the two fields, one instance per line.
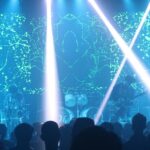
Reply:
x=96 y=138
x=80 y=134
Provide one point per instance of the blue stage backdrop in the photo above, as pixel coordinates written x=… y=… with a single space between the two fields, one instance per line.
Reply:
x=87 y=58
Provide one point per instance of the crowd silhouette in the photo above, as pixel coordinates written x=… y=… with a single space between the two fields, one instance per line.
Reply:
x=79 y=134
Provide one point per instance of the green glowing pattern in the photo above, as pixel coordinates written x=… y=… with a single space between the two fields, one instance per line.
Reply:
x=86 y=52
x=87 y=55
x=88 y=58
x=18 y=53
x=128 y=24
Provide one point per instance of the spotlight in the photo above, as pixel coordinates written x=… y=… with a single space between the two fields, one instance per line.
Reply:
x=52 y=95
x=140 y=70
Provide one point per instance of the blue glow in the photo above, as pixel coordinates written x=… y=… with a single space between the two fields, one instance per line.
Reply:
x=129 y=5
x=128 y=1
x=13 y=6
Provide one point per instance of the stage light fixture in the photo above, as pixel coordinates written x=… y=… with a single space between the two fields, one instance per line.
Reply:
x=52 y=95
x=140 y=70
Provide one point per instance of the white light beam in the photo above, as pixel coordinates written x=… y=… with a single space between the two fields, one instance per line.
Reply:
x=52 y=95
x=140 y=70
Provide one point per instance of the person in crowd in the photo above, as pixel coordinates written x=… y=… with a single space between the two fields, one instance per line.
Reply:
x=50 y=134
x=3 y=133
x=96 y=138
x=138 y=141
x=72 y=130
x=23 y=134
x=81 y=124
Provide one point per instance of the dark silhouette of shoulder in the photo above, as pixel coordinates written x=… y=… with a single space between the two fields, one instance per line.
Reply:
x=96 y=138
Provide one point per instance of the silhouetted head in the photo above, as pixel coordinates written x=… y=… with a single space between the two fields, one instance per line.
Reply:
x=138 y=123
x=96 y=138
x=50 y=132
x=3 y=131
x=81 y=124
x=23 y=133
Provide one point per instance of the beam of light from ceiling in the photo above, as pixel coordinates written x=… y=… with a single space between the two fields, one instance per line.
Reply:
x=140 y=70
x=52 y=93
x=114 y=81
